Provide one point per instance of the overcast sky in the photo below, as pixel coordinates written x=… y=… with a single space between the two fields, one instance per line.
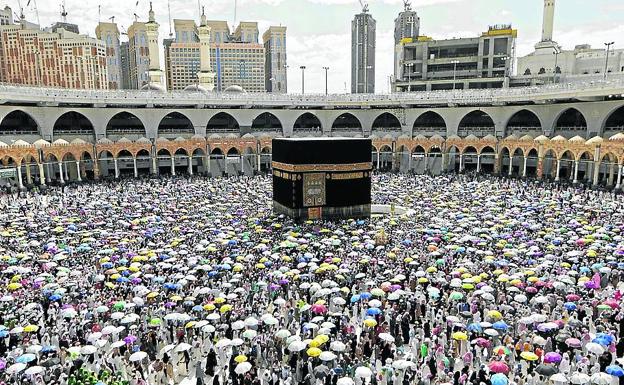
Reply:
x=319 y=31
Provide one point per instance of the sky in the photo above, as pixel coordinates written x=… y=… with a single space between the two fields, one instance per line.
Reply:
x=319 y=31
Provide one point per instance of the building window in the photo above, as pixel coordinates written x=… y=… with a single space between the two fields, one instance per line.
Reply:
x=528 y=71
x=542 y=71
x=486 y=47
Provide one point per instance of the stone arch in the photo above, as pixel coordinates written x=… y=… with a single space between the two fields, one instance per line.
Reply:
x=73 y=123
x=18 y=122
x=386 y=122
x=386 y=158
x=175 y=124
x=223 y=123
x=346 y=122
x=266 y=121
x=307 y=122
x=614 y=122
x=233 y=151
x=429 y=122
x=477 y=122
x=127 y=124
x=418 y=149
x=523 y=121
x=570 y=122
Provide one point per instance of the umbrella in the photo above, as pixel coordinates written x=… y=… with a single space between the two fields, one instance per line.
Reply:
x=601 y=379
x=615 y=370
x=499 y=379
x=579 y=378
x=337 y=346
x=137 y=356
x=16 y=368
x=595 y=348
x=552 y=357
x=34 y=370
x=559 y=377
x=498 y=367
x=327 y=356
x=386 y=337
x=363 y=372
x=529 y=356
x=297 y=346
x=182 y=347
x=546 y=370
x=26 y=358
x=242 y=368
x=345 y=381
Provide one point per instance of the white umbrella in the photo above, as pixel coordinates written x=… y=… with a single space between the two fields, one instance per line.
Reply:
x=345 y=381
x=327 y=356
x=88 y=349
x=595 y=348
x=117 y=315
x=166 y=348
x=363 y=372
x=337 y=346
x=250 y=334
x=117 y=344
x=490 y=332
x=110 y=329
x=222 y=343
x=579 y=378
x=282 y=333
x=242 y=368
x=338 y=301
x=138 y=356
x=16 y=368
x=559 y=377
x=402 y=364
x=296 y=346
x=182 y=347
x=34 y=370
x=601 y=378
x=208 y=329
x=251 y=321
x=386 y=337
x=271 y=321
x=213 y=316
x=238 y=325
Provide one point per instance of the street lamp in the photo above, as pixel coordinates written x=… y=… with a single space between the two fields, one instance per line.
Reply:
x=455 y=63
x=409 y=76
x=608 y=45
x=326 y=69
x=302 y=79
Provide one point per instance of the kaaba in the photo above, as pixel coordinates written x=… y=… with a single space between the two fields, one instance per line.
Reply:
x=322 y=178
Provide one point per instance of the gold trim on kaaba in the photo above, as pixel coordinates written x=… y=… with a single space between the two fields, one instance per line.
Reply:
x=365 y=166
x=348 y=175
x=286 y=175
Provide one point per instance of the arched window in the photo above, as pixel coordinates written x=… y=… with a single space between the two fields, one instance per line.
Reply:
x=527 y=71
x=542 y=71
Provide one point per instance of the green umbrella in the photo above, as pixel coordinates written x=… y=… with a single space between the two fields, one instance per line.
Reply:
x=119 y=305
x=456 y=295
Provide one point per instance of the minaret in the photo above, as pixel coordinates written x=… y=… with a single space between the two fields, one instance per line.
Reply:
x=549 y=17
x=205 y=75
x=155 y=73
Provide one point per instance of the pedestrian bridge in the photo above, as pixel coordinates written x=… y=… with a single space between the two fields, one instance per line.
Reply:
x=560 y=131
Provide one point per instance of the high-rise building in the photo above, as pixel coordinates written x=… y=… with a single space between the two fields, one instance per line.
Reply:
x=182 y=56
x=62 y=59
x=407 y=24
x=246 y=32
x=124 y=57
x=66 y=26
x=484 y=61
x=363 y=29
x=6 y=16
x=219 y=31
x=549 y=62
x=109 y=34
x=138 y=55
x=275 y=62
x=239 y=64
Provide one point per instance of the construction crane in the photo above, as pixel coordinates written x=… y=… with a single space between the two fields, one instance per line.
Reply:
x=63 y=12
x=21 y=11
x=407 y=5
x=364 y=6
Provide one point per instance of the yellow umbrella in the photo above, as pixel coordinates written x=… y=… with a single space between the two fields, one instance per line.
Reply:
x=176 y=298
x=240 y=358
x=314 y=352
x=152 y=295
x=422 y=280
x=225 y=308
x=14 y=286
x=495 y=314
x=219 y=300
x=190 y=324
x=529 y=356
x=322 y=338
x=369 y=322
x=31 y=328
x=460 y=336
x=314 y=343
x=209 y=307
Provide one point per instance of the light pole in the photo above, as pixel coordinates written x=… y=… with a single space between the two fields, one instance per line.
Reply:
x=607 y=59
x=302 y=79
x=455 y=63
x=556 y=53
x=409 y=76
x=506 y=80
x=326 y=69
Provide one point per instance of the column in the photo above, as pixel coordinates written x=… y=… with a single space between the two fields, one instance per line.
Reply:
x=510 y=165
x=173 y=165
x=596 y=175
x=259 y=161
x=524 y=167
x=28 y=175
x=377 y=160
x=427 y=162
x=242 y=163
x=540 y=167
x=558 y=167
x=497 y=166
x=78 y=169
x=20 y=184
x=49 y=174
x=66 y=169
x=478 y=163
x=116 y=168
x=96 y=169
x=41 y=175
x=619 y=178
x=60 y=164
x=136 y=170
x=611 y=177
x=190 y=164
x=155 y=164
x=572 y=174
x=461 y=162
x=576 y=164
x=409 y=162
x=207 y=163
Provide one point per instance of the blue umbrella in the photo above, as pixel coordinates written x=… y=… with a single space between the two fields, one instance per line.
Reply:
x=605 y=336
x=500 y=325
x=366 y=295
x=107 y=265
x=3 y=333
x=373 y=311
x=54 y=297
x=499 y=379
x=615 y=370
x=475 y=327
x=570 y=306
x=25 y=358
x=198 y=308
x=48 y=349
x=122 y=280
x=355 y=298
x=602 y=341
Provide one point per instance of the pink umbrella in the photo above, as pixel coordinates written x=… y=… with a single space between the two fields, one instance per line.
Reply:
x=498 y=367
x=482 y=342
x=572 y=297
x=573 y=342
x=318 y=309
x=612 y=303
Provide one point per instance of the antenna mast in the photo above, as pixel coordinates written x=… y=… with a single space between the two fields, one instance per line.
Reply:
x=235 y=7
x=169 y=9
x=364 y=6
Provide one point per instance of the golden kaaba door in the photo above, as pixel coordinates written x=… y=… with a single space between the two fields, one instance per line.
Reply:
x=314 y=189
